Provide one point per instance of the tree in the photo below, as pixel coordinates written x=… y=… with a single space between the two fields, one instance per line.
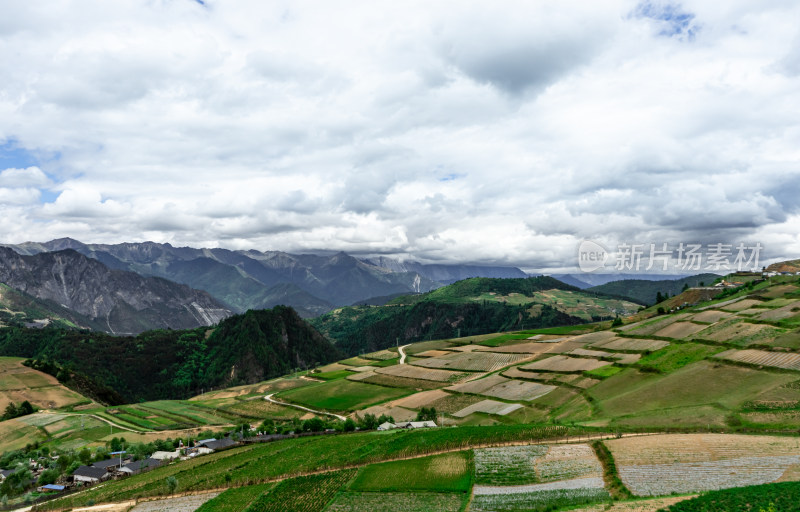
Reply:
x=85 y=456
x=172 y=484
x=685 y=287
x=369 y=422
x=349 y=425
x=427 y=414
x=617 y=322
x=659 y=297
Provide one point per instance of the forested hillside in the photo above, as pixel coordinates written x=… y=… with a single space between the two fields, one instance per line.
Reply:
x=175 y=364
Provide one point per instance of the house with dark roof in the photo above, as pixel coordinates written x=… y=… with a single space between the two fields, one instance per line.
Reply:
x=109 y=464
x=90 y=474
x=139 y=466
x=214 y=445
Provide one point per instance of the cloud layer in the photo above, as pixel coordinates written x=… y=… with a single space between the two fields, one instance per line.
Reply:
x=440 y=131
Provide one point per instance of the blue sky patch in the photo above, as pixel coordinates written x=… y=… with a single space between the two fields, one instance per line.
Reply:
x=674 y=21
x=12 y=156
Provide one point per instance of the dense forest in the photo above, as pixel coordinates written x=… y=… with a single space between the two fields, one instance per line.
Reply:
x=368 y=328
x=245 y=348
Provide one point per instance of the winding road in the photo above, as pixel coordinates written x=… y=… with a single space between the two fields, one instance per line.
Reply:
x=402 y=354
x=269 y=398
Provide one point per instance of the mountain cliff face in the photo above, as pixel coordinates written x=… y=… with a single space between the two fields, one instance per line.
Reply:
x=117 y=301
x=242 y=280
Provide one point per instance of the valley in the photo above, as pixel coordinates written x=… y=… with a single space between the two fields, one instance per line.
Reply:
x=699 y=398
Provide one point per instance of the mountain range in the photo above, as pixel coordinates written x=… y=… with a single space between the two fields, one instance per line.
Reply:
x=242 y=280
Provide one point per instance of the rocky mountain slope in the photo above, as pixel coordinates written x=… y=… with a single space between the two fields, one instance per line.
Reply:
x=113 y=300
x=242 y=280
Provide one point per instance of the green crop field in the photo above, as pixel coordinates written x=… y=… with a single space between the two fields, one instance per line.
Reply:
x=302 y=494
x=604 y=372
x=779 y=497
x=447 y=472
x=342 y=395
x=676 y=355
x=398 y=501
x=699 y=383
x=235 y=499
x=261 y=462
x=541 y=501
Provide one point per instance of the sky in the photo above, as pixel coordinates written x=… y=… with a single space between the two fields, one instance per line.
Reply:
x=445 y=132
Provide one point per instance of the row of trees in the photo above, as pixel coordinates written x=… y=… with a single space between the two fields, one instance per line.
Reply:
x=15 y=411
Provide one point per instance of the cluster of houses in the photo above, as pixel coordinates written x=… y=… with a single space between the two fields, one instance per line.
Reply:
x=121 y=465
x=118 y=466
x=407 y=425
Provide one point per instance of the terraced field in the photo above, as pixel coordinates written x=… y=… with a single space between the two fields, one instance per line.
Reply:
x=631 y=345
x=565 y=364
x=19 y=383
x=416 y=372
x=690 y=463
x=786 y=360
x=473 y=361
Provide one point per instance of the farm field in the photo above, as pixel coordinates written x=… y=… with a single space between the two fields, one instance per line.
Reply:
x=700 y=383
x=341 y=395
x=473 y=361
x=788 y=361
x=631 y=344
x=179 y=504
x=392 y=381
x=701 y=462
x=417 y=372
x=519 y=348
x=302 y=494
x=261 y=388
x=562 y=363
x=450 y=472
x=741 y=305
x=398 y=501
x=19 y=383
x=235 y=499
x=651 y=325
x=679 y=330
x=677 y=356
x=488 y=407
x=740 y=332
x=711 y=316
x=382 y=355
x=640 y=505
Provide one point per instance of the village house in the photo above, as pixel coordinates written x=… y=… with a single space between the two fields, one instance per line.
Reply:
x=90 y=475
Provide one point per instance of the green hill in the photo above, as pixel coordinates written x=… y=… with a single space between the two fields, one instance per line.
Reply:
x=644 y=292
x=242 y=349
x=465 y=308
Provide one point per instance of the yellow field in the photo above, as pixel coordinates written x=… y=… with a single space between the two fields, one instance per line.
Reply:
x=19 y=383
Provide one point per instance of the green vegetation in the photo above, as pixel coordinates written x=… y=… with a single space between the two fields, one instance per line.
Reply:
x=645 y=292
x=302 y=494
x=398 y=501
x=263 y=462
x=603 y=372
x=342 y=395
x=235 y=499
x=358 y=328
x=676 y=356
x=447 y=472
x=178 y=364
x=537 y=501
x=611 y=477
x=778 y=497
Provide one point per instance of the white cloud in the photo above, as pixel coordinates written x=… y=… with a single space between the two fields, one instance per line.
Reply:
x=457 y=131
